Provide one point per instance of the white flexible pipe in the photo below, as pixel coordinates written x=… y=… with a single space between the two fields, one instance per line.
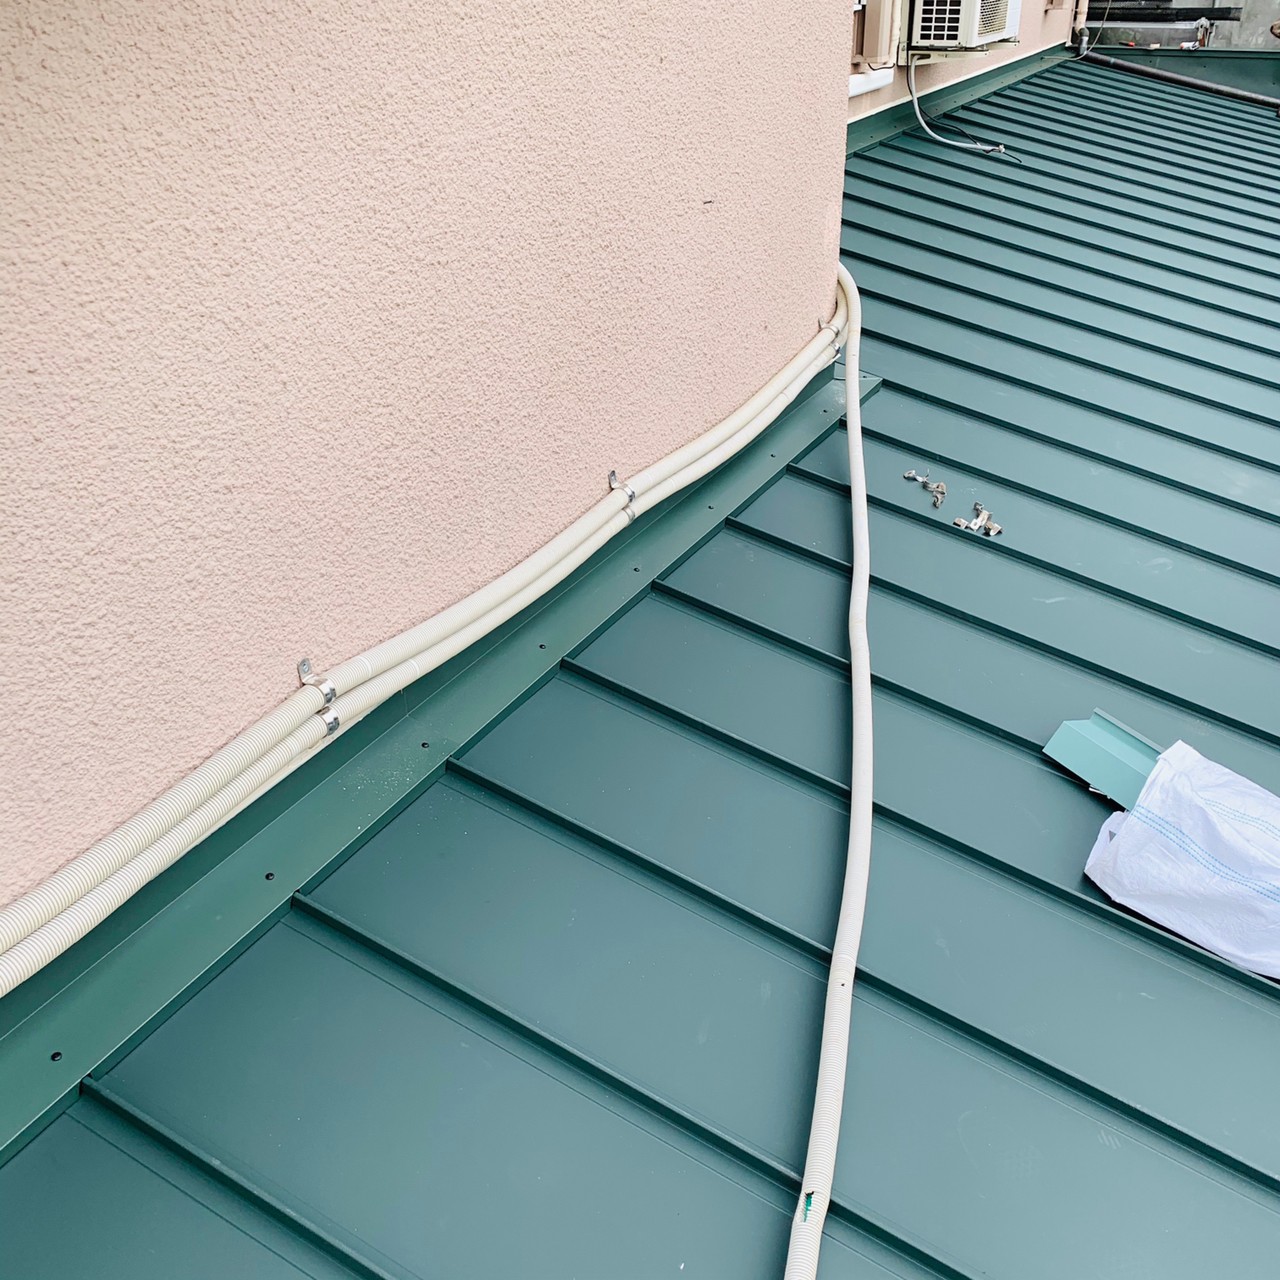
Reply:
x=987 y=148
x=48 y=919
x=824 y=1131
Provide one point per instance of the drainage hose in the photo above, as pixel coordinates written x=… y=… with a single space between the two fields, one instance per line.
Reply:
x=44 y=922
x=828 y=1103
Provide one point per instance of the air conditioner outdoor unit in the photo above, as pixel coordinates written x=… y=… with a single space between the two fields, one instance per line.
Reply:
x=962 y=24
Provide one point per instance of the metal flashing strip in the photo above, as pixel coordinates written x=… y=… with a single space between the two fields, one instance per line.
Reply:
x=1113 y=759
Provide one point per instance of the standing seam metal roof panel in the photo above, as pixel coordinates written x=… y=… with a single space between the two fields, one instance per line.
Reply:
x=560 y=1016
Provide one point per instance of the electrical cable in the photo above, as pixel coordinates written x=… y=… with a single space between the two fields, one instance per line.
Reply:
x=987 y=148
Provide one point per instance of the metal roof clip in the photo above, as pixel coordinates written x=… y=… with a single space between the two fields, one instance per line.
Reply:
x=982 y=522
x=937 y=488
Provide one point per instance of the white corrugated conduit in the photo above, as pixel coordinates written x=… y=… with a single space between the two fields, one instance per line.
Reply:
x=828 y=1103
x=58 y=912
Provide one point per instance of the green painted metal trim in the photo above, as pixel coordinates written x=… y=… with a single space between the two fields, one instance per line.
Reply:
x=870 y=131
x=1257 y=70
x=110 y=990
x=1112 y=758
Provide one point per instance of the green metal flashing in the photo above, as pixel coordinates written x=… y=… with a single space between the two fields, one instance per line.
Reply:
x=1113 y=759
x=105 y=995
x=869 y=131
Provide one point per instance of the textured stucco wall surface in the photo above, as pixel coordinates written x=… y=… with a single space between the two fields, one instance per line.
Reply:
x=1039 y=28
x=318 y=317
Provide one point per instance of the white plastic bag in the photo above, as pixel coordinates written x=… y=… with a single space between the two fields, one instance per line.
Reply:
x=1200 y=854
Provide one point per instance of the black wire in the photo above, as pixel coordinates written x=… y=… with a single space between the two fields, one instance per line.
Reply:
x=964 y=133
x=951 y=124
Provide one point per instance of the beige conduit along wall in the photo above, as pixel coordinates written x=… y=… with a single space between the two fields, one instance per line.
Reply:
x=881 y=25
x=46 y=921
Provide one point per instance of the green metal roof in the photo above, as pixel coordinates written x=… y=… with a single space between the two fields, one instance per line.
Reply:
x=548 y=1002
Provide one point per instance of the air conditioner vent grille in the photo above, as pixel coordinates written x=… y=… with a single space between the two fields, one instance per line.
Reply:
x=994 y=16
x=939 y=20
x=962 y=24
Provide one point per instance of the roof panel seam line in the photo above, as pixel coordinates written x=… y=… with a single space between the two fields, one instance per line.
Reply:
x=615 y=852
x=840 y=664
x=1180 y=949
x=782 y=764
x=757 y=1162
x=1145 y=148
x=1205 y=712
x=1049 y=253
x=1141 y=165
x=337 y=926
x=736 y=1148
x=245 y=1188
x=932 y=604
x=1061 y=200
x=1046 y=209
x=1062 y=158
x=1181 y=124
x=1209 y=446
x=938 y=844
x=812 y=554
x=891 y=587
x=993 y=105
x=1182 y=1138
x=1179 y=100
x=1064 y=260
x=657 y=712
x=1114 y=371
x=687 y=599
x=1053 y=499
x=1188 y=106
x=831 y=786
x=1186 y=951
x=1143 y=159
x=1085 y=295
x=879 y=682
x=1029 y=433
x=1256 y=732
x=1057 y=570
x=1145 y=120
x=814 y=476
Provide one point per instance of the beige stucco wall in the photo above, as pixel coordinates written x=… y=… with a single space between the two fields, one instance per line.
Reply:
x=1039 y=28
x=318 y=317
